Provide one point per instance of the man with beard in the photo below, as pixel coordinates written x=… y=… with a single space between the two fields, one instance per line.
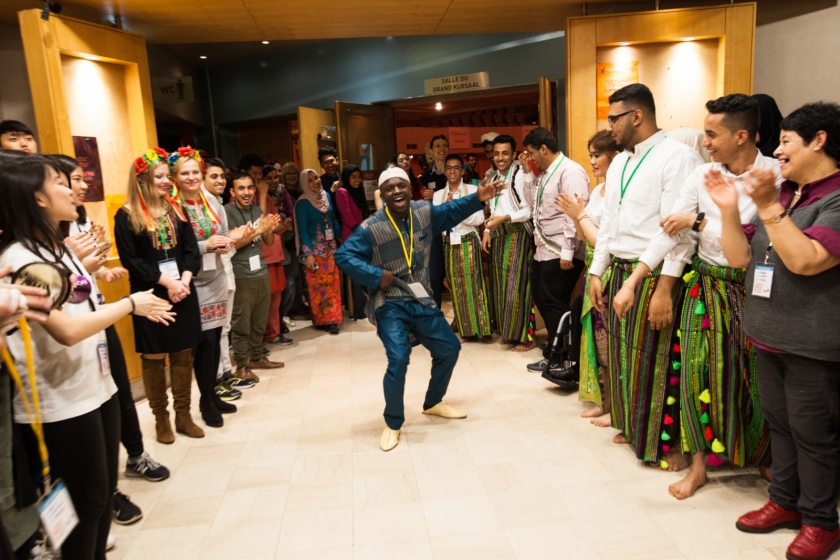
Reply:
x=642 y=185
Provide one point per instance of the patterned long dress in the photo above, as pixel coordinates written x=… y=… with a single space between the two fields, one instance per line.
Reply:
x=323 y=283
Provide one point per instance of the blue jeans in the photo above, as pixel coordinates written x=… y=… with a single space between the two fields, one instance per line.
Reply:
x=395 y=320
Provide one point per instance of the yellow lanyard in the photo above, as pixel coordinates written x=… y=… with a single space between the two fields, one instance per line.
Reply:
x=409 y=254
x=35 y=419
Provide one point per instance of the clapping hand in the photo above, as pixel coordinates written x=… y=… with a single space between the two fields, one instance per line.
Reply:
x=218 y=242
x=487 y=190
x=82 y=244
x=572 y=206
x=114 y=274
x=152 y=307
x=760 y=186
x=722 y=191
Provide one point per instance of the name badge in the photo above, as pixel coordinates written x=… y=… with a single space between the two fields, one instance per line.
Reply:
x=208 y=261
x=329 y=234
x=254 y=262
x=102 y=349
x=170 y=268
x=454 y=237
x=58 y=516
x=418 y=290
x=762 y=280
x=614 y=223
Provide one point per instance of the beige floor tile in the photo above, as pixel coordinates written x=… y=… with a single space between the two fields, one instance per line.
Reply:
x=652 y=494
x=458 y=482
x=440 y=456
x=176 y=543
x=416 y=549
x=381 y=524
x=583 y=469
x=599 y=500
x=246 y=538
x=531 y=508
x=550 y=542
x=324 y=444
x=385 y=489
x=336 y=494
x=489 y=545
x=634 y=537
x=454 y=516
x=515 y=476
x=253 y=503
x=316 y=530
x=323 y=468
x=342 y=553
x=179 y=510
x=500 y=450
x=204 y=478
x=398 y=460
x=754 y=554
x=704 y=531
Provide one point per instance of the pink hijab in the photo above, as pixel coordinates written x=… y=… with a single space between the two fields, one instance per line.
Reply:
x=318 y=200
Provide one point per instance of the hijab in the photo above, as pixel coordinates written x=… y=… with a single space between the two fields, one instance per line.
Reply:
x=768 y=128
x=318 y=200
x=693 y=139
x=358 y=195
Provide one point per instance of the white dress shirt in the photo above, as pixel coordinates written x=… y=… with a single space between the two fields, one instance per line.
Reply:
x=648 y=198
x=472 y=223
x=504 y=204
x=562 y=176
x=678 y=249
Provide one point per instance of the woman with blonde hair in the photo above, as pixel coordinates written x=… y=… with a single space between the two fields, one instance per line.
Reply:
x=157 y=245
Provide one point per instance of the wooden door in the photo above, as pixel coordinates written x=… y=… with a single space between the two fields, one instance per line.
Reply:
x=367 y=136
x=316 y=129
x=547 y=105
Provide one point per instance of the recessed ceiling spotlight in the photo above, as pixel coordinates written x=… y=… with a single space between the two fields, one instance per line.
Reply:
x=91 y=57
x=623 y=44
x=202 y=57
x=438 y=106
x=265 y=42
x=689 y=38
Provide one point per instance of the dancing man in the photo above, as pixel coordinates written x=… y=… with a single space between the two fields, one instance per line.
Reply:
x=389 y=254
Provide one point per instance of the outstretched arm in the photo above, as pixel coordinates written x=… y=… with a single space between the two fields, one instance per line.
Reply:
x=353 y=259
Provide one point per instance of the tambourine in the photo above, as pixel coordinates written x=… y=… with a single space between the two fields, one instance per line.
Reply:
x=56 y=281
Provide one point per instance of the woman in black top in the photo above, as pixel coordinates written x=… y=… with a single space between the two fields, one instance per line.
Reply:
x=157 y=245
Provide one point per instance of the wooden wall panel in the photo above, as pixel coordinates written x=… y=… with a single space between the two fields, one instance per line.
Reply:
x=581 y=89
x=268 y=138
x=666 y=25
x=739 y=49
x=310 y=123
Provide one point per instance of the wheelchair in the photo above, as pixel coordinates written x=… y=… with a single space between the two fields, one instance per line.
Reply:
x=561 y=353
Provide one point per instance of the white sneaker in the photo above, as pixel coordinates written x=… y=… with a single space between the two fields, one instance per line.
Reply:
x=112 y=542
x=288 y=322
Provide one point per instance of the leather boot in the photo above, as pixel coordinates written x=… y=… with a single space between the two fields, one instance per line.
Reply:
x=180 y=371
x=206 y=381
x=154 y=381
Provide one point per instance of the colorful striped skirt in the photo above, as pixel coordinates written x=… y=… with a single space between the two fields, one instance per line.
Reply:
x=511 y=253
x=466 y=282
x=644 y=374
x=324 y=288
x=719 y=387
x=594 y=340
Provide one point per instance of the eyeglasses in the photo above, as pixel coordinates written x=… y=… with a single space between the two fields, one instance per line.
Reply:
x=453 y=168
x=614 y=118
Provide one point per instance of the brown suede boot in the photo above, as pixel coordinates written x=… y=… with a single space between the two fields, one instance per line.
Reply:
x=154 y=381
x=180 y=371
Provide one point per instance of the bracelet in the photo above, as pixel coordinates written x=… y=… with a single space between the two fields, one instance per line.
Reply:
x=133 y=306
x=775 y=219
x=583 y=216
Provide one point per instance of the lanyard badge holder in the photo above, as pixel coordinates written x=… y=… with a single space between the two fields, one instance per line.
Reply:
x=763 y=277
x=58 y=516
x=416 y=288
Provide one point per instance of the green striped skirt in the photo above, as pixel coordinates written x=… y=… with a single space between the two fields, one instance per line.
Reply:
x=511 y=254
x=466 y=282
x=719 y=387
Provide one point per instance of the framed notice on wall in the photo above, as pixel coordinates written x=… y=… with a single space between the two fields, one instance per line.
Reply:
x=87 y=154
x=370 y=184
x=612 y=76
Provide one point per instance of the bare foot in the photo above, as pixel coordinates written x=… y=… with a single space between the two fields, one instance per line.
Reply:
x=461 y=339
x=677 y=460
x=766 y=474
x=520 y=348
x=592 y=412
x=620 y=439
x=604 y=421
x=686 y=488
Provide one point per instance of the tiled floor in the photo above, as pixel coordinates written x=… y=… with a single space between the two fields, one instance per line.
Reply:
x=297 y=473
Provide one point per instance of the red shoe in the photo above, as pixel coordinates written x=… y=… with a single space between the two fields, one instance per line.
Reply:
x=769 y=518
x=813 y=544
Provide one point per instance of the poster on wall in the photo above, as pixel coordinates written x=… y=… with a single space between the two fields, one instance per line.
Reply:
x=370 y=184
x=459 y=138
x=612 y=76
x=87 y=154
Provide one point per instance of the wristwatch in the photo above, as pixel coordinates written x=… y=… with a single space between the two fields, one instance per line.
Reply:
x=700 y=217
x=775 y=219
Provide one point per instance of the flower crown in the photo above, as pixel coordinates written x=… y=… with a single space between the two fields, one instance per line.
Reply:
x=184 y=153
x=151 y=158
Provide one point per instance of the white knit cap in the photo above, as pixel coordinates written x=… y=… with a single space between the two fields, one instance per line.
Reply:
x=489 y=137
x=392 y=173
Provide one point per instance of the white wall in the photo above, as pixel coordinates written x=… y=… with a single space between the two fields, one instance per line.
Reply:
x=797 y=60
x=15 y=96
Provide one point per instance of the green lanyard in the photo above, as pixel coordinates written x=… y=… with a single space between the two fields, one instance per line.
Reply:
x=496 y=203
x=162 y=237
x=623 y=185
x=544 y=183
x=204 y=226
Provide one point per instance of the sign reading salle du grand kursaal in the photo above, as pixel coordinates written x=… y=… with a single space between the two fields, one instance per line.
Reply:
x=457 y=83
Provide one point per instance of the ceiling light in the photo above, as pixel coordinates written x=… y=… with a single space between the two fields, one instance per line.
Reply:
x=438 y=106
x=689 y=38
x=265 y=42
x=91 y=57
x=623 y=44
x=202 y=57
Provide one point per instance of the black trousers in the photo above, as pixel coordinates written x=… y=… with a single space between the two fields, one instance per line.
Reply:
x=292 y=271
x=84 y=451
x=131 y=436
x=206 y=358
x=437 y=269
x=552 y=288
x=800 y=398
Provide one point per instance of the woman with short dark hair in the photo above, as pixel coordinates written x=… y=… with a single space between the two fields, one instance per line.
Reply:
x=791 y=249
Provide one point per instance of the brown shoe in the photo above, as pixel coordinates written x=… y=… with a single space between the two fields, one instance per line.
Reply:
x=246 y=373
x=265 y=364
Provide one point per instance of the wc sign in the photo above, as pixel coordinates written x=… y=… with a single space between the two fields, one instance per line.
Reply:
x=173 y=90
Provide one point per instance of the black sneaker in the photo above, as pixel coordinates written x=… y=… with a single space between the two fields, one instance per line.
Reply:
x=542 y=365
x=239 y=383
x=281 y=341
x=146 y=467
x=125 y=512
x=226 y=392
x=333 y=329
x=568 y=374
